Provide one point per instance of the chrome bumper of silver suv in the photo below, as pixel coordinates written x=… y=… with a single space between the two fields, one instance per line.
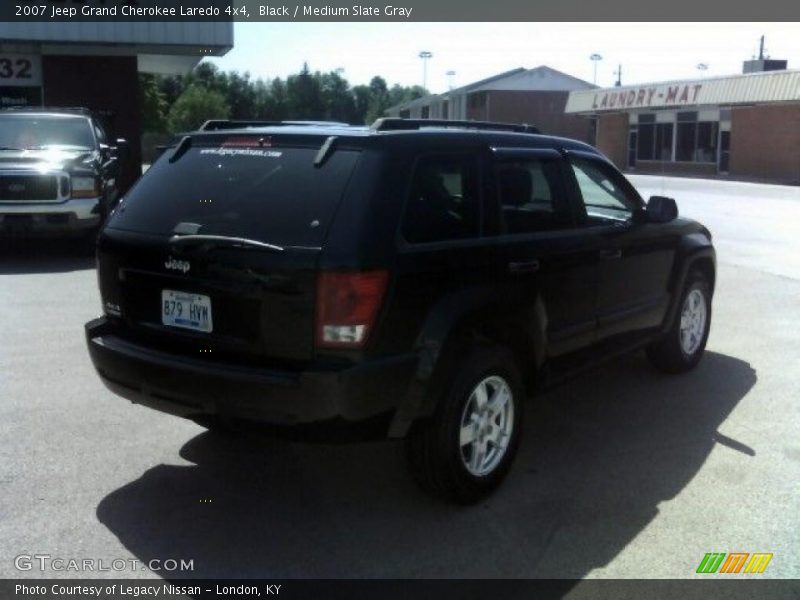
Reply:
x=34 y=201
x=69 y=215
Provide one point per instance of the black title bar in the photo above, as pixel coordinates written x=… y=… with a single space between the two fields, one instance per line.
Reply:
x=68 y=11
x=710 y=588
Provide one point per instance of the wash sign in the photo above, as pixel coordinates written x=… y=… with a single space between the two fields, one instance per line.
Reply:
x=20 y=80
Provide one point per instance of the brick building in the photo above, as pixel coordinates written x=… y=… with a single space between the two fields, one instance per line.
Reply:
x=533 y=96
x=742 y=126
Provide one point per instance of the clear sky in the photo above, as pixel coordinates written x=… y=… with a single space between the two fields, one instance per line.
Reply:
x=647 y=51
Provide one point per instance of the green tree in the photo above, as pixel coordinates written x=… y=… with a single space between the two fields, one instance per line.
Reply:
x=171 y=87
x=304 y=96
x=196 y=105
x=336 y=97
x=361 y=95
x=209 y=76
x=279 y=100
x=240 y=93
x=399 y=94
x=378 y=98
x=154 y=106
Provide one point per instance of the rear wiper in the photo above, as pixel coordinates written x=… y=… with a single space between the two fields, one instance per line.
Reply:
x=223 y=240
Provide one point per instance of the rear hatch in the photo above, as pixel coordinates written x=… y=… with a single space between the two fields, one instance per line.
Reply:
x=213 y=254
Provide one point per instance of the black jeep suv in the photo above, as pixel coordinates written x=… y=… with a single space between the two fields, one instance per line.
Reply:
x=58 y=171
x=416 y=278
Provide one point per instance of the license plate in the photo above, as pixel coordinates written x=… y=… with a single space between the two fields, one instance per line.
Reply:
x=189 y=311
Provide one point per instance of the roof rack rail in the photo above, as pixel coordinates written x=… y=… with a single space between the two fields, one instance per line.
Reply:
x=223 y=124
x=398 y=124
x=56 y=109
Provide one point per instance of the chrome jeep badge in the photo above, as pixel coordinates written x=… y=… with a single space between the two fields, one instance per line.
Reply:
x=177 y=265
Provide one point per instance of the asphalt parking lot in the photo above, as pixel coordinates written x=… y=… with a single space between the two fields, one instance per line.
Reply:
x=623 y=472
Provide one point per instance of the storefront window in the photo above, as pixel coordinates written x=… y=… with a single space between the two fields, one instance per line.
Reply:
x=645 y=147
x=696 y=140
x=724 y=151
x=684 y=145
x=654 y=139
x=707 y=141
x=663 y=141
x=687 y=140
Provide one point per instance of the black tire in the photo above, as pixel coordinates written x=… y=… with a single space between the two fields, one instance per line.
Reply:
x=668 y=354
x=433 y=448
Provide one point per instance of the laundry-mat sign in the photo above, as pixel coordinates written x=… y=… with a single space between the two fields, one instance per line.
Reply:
x=649 y=96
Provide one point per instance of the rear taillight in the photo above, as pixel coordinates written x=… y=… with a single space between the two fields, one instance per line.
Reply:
x=347 y=307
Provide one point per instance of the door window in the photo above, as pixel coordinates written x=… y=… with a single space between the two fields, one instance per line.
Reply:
x=444 y=203
x=605 y=198
x=530 y=196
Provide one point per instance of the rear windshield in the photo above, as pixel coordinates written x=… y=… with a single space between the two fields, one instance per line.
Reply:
x=271 y=194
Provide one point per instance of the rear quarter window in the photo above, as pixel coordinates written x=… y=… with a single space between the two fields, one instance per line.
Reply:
x=273 y=195
x=444 y=201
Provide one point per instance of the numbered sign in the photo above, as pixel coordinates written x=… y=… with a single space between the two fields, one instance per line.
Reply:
x=20 y=70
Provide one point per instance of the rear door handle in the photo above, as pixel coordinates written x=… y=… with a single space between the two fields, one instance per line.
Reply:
x=611 y=254
x=527 y=266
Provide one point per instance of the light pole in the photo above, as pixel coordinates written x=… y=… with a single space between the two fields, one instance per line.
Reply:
x=450 y=76
x=702 y=67
x=595 y=58
x=425 y=55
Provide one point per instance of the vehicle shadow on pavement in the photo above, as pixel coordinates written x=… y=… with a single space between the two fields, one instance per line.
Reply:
x=599 y=455
x=18 y=256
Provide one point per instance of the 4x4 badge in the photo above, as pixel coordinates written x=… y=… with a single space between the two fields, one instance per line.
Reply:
x=177 y=265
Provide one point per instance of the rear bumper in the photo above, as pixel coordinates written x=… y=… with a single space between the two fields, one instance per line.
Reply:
x=46 y=217
x=201 y=390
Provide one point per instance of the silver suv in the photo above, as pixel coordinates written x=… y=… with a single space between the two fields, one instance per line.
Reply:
x=58 y=172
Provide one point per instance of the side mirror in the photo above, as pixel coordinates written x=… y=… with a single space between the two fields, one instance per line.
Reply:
x=122 y=149
x=661 y=209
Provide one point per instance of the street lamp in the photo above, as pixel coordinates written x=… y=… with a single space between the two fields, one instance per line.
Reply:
x=595 y=58
x=450 y=76
x=425 y=55
x=702 y=67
